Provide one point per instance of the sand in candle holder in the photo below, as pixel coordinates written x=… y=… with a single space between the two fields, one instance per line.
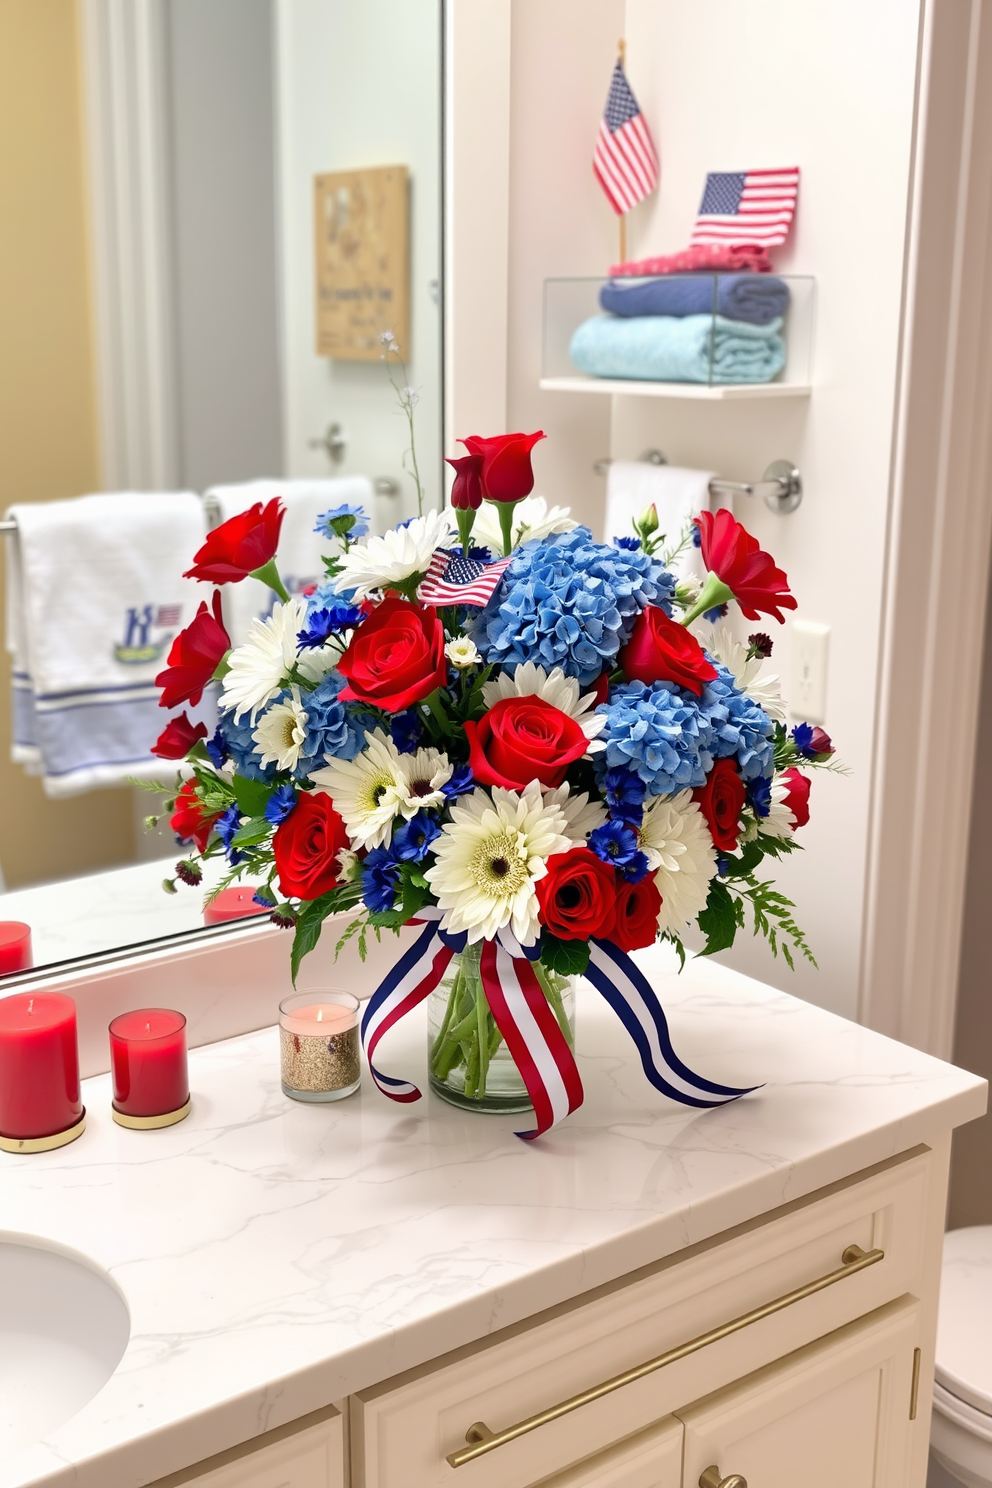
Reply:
x=318 y=1045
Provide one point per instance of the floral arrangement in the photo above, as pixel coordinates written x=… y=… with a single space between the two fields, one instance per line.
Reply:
x=488 y=723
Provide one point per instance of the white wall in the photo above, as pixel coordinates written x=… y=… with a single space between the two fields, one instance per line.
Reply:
x=827 y=84
x=359 y=85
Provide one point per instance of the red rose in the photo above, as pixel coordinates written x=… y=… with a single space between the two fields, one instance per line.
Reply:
x=601 y=688
x=178 y=737
x=196 y=654
x=522 y=739
x=190 y=819
x=661 y=650
x=720 y=801
x=466 y=491
x=240 y=545
x=638 y=906
x=307 y=846
x=797 y=796
x=750 y=574
x=577 y=895
x=396 y=656
x=507 y=474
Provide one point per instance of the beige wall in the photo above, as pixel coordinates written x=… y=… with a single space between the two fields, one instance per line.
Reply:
x=48 y=427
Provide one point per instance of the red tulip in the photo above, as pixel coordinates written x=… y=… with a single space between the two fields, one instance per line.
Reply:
x=466 y=492
x=178 y=737
x=738 y=569
x=196 y=654
x=240 y=546
x=190 y=819
x=507 y=473
x=797 y=796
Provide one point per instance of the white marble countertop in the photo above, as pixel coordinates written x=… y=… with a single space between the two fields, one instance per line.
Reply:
x=277 y=1256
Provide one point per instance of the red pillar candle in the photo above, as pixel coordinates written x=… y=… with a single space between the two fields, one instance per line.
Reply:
x=15 y=947
x=40 y=1105
x=235 y=903
x=148 y=1059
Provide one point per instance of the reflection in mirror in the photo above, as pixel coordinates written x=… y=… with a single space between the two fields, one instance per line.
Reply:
x=213 y=209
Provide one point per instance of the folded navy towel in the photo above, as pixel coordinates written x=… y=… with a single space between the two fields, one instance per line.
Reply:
x=757 y=299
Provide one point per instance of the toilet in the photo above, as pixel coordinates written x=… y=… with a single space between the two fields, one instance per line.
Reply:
x=961 y=1425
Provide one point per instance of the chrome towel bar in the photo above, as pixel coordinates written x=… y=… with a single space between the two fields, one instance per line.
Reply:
x=781 y=486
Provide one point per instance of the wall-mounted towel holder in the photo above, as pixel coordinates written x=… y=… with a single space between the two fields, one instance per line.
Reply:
x=781 y=486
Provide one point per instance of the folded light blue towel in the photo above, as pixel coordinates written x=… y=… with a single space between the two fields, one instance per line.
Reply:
x=757 y=298
x=690 y=348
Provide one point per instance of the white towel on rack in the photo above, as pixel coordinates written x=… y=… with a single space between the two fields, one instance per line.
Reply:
x=301 y=550
x=95 y=596
x=678 y=494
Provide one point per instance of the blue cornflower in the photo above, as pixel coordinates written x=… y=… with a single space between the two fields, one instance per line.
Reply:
x=616 y=844
x=739 y=727
x=722 y=867
x=802 y=737
x=697 y=536
x=262 y=897
x=411 y=841
x=343 y=521
x=759 y=793
x=225 y=826
x=380 y=878
x=624 y=793
x=718 y=612
x=629 y=544
x=280 y=804
x=234 y=740
x=217 y=748
x=324 y=622
x=658 y=732
x=571 y=602
x=332 y=731
x=462 y=780
x=406 y=730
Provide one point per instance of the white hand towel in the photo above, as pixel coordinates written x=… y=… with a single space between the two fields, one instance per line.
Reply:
x=95 y=599
x=301 y=550
x=678 y=494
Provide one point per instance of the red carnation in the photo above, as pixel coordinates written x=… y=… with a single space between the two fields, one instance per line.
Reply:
x=721 y=800
x=466 y=490
x=733 y=556
x=196 y=654
x=507 y=473
x=661 y=650
x=307 y=847
x=190 y=818
x=396 y=656
x=797 y=796
x=522 y=739
x=178 y=737
x=638 y=906
x=240 y=546
x=577 y=895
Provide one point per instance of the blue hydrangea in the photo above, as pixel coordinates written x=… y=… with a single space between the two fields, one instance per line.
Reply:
x=658 y=732
x=326 y=597
x=332 y=732
x=740 y=728
x=343 y=520
x=628 y=544
x=571 y=602
x=233 y=740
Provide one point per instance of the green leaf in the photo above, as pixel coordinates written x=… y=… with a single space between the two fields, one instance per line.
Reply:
x=745 y=860
x=251 y=795
x=252 y=832
x=720 y=920
x=313 y=913
x=566 y=957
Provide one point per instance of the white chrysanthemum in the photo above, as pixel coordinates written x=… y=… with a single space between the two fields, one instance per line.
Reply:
x=489 y=857
x=532 y=517
x=676 y=840
x=281 y=731
x=314 y=662
x=765 y=690
x=383 y=562
x=780 y=822
x=530 y=680
x=462 y=652
x=349 y=866
x=421 y=778
x=367 y=791
x=259 y=669
x=582 y=815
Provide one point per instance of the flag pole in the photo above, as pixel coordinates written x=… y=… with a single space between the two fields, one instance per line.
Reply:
x=622 y=54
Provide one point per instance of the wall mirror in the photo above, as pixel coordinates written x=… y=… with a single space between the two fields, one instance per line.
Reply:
x=195 y=265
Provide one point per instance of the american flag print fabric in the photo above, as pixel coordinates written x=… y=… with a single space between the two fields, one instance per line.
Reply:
x=625 y=160
x=747 y=207
x=454 y=580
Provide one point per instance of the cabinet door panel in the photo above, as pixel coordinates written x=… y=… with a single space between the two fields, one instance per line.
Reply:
x=651 y=1459
x=835 y=1412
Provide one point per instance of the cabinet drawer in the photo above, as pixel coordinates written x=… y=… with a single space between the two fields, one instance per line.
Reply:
x=404 y=1430
x=305 y=1454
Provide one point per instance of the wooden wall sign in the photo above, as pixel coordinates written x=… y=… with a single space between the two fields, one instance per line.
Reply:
x=362 y=260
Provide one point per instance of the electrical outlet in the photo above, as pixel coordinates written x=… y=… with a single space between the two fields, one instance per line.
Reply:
x=808 y=689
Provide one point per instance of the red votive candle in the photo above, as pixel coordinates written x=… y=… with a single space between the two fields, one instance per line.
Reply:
x=235 y=903
x=15 y=947
x=40 y=1107
x=148 y=1060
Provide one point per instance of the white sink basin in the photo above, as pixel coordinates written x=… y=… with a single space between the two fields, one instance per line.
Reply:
x=63 y=1329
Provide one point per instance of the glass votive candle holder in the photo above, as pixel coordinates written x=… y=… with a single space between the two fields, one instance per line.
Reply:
x=148 y=1064
x=318 y=1045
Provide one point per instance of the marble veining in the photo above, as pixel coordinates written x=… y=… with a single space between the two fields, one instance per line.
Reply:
x=276 y=1256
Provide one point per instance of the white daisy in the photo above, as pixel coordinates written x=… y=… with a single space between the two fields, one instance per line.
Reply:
x=676 y=840
x=259 y=669
x=462 y=652
x=582 y=815
x=765 y=690
x=780 y=821
x=383 y=562
x=532 y=517
x=281 y=731
x=530 y=680
x=421 y=777
x=489 y=857
x=367 y=791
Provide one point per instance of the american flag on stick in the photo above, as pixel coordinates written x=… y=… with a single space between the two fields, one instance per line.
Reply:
x=454 y=580
x=625 y=161
x=747 y=207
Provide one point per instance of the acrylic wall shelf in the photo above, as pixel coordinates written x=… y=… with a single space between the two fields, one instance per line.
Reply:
x=710 y=349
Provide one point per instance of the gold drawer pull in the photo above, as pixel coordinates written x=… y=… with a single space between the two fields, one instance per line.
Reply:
x=711 y=1479
x=481 y=1440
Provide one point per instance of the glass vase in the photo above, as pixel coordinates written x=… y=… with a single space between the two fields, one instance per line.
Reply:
x=469 y=1062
